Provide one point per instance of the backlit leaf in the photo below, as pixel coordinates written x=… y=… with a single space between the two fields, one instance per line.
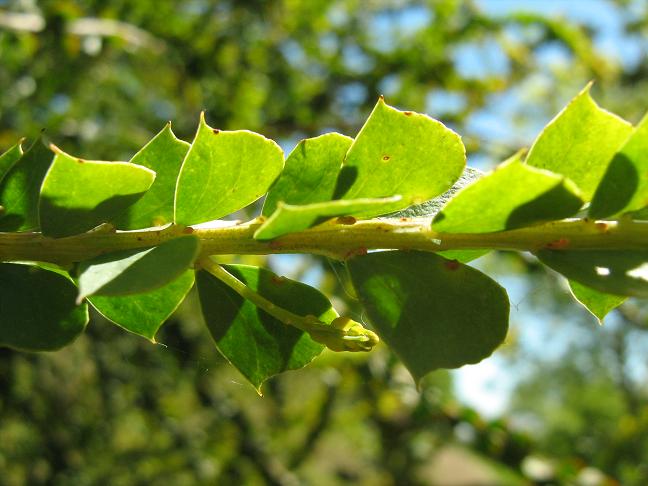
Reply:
x=512 y=196
x=259 y=345
x=580 y=142
x=164 y=155
x=137 y=271
x=37 y=308
x=223 y=172
x=19 y=191
x=624 y=186
x=78 y=195
x=144 y=314
x=402 y=153
x=432 y=312
x=598 y=303
x=311 y=172
x=9 y=158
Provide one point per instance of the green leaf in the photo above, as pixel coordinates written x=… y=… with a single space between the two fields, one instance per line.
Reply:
x=164 y=155
x=259 y=345
x=402 y=153
x=310 y=174
x=580 y=142
x=20 y=189
x=624 y=187
x=137 y=271
x=37 y=308
x=610 y=272
x=514 y=195
x=224 y=172
x=432 y=312
x=597 y=303
x=144 y=314
x=290 y=219
x=429 y=209
x=9 y=158
x=78 y=195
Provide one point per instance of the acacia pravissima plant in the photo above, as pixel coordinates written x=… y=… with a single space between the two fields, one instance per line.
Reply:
x=396 y=204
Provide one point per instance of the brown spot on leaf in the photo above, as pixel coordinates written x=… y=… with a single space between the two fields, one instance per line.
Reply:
x=602 y=227
x=407 y=113
x=356 y=252
x=215 y=131
x=80 y=161
x=386 y=158
x=558 y=244
x=404 y=220
x=188 y=230
x=277 y=280
x=451 y=265
x=346 y=220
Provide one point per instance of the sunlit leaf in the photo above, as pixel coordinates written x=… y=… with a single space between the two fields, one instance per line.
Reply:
x=259 y=345
x=20 y=189
x=37 y=308
x=514 y=195
x=78 y=195
x=144 y=314
x=612 y=272
x=289 y=219
x=164 y=155
x=223 y=172
x=432 y=312
x=402 y=153
x=311 y=172
x=137 y=271
x=598 y=303
x=624 y=186
x=580 y=142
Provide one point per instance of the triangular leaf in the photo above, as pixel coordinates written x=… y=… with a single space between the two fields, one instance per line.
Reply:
x=580 y=142
x=224 y=172
x=610 y=272
x=20 y=189
x=624 y=186
x=597 y=303
x=311 y=172
x=290 y=219
x=9 y=158
x=259 y=345
x=402 y=153
x=78 y=195
x=144 y=314
x=37 y=308
x=432 y=312
x=137 y=271
x=514 y=195
x=164 y=155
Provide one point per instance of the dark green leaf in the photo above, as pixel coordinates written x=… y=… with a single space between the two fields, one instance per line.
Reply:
x=144 y=314
x=9 y=158
x=514 y=195
x=580 y=142
x=37 y=308
x=598 y=303
x=401 y=153
x=311 y=172
x=432 y=312
x=224 y=172
x=610 y=272
x=624 y=187
x=20 y=189
x=78 y=195
x=259 y=345
x=290 y=219
x=137 y=271
x=164 y=155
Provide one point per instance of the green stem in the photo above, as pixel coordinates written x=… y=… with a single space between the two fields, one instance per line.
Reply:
x=342 y=334
x=338 y=241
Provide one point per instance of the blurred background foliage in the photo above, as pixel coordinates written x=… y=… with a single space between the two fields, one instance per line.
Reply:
x=563 y=402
